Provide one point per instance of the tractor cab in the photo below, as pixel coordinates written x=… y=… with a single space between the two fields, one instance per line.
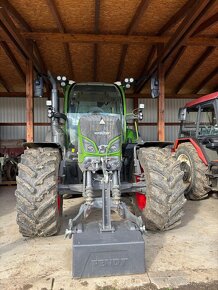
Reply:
x=199 y=120
x=86 y=99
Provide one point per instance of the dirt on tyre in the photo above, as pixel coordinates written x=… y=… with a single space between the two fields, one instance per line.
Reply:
x=164 y=189
x=195 y=172
x=37 y=200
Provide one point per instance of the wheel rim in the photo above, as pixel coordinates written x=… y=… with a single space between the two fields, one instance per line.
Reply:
x=185 y=166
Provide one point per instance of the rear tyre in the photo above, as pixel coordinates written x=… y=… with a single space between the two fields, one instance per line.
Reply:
x=11 y=170
x=164 y=189
x=38 y=203
x=194 y=172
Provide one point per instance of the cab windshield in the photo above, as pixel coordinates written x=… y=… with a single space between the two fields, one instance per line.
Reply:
x=92 y=99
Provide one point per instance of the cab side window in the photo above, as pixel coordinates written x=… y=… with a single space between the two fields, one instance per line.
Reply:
x=208 y=122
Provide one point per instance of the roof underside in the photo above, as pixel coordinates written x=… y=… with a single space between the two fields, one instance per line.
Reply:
x=107 y=40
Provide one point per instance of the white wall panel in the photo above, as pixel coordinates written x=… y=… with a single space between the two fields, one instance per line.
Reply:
x=13 y=110
x=12 y=132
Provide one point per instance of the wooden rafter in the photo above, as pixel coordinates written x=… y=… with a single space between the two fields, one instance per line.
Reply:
x=7 y=37
x=17 y=17
x=59 y=23
x=96 y=47
x=4 y=84
x=203 y=57
x=19 y=40
x=130 y=30
x=174 y=61
x=207 y=23
x=13 y=60
x=149 y=60
x=180 y=36
x=206 y=80
x=167 y=26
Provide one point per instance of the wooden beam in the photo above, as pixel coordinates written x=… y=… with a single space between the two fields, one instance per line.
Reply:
x=161 y=100
x=59 y=23
x=203 y=57
x=128 y=96
x=180 y=36
x=174 y=61
x=24 y=25
x=130 y=30
x=29 y=102
x=14 y=61
x=207 y=23
x=167 y=26
x=206 y=80
x=4 y=84
x=180 y=14
x=20 y=41
x=69 y=60
x=16 y=16
x=143 y=5
x=7 y=37
x=96 y=48
x=39 y=57
x=113 y=38
x=149 y=60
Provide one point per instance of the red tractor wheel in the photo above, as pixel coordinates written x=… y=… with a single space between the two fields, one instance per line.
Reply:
x=194 y=172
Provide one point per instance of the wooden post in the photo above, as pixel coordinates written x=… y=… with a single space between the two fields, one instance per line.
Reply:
x=161 y=101
x=29 y=102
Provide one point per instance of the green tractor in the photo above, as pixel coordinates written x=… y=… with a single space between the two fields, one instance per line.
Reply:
x=94 y=153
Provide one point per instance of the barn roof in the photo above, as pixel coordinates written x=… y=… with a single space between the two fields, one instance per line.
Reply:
x=107 y=40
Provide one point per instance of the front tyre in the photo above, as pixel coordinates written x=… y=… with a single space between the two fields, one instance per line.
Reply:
x=164 y=189
x=37 y=200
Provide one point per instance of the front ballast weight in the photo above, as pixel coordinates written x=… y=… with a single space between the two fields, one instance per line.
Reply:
x=109 y=247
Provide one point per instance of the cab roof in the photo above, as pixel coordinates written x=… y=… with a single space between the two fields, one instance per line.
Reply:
x=202 y=100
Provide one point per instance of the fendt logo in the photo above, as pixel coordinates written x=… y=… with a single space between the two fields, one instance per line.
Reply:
x=109 y=262
x=102 y=133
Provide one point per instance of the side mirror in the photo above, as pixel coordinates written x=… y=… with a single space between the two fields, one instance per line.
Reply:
x=38 y=87
x=154 y=87
x=182 y=114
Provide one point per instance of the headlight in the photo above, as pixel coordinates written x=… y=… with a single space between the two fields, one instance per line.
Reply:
x=114 y=147
x=89 y=146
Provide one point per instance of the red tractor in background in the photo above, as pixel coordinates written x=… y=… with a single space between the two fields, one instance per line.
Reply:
x=197 y=146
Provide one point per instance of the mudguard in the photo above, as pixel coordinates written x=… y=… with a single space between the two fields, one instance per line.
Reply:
x=195 y=144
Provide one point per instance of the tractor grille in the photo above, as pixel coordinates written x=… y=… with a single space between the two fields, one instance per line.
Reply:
x=100 y=129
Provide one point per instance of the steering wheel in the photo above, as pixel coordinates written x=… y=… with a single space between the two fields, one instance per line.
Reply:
x=96 y=110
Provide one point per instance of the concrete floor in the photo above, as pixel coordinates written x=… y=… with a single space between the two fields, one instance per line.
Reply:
x=184 y=258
